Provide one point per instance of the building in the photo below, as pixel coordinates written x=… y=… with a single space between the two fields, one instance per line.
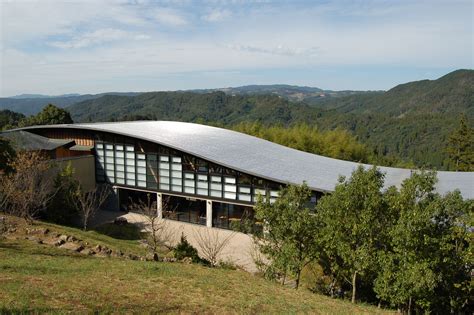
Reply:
x=200 y=174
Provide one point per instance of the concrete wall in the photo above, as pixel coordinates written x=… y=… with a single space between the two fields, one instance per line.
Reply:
x=84 y=169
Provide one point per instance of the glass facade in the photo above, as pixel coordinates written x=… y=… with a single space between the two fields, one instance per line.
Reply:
x=166 y=170
x=184 y=180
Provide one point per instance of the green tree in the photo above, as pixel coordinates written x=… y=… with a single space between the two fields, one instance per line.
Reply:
x=61 y=210
x=7 y=153
x=461 y=146
x=290 y=231
x=50 y=115
x=426 y=265
x=353 y=220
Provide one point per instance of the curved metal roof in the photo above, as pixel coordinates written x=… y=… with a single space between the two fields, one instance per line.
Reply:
x=259 y=157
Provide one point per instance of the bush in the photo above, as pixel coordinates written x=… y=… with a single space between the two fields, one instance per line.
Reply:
x=185 y=249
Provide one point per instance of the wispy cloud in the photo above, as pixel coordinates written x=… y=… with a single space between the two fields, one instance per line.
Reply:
x=217 y=15
x=97 y=37
x=169 y=17
x=277 y=50
x=139 y=45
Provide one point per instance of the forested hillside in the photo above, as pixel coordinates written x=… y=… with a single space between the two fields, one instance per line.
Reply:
x=30 y=104
x=411 y=121
x=216 y=107
x=452 y=93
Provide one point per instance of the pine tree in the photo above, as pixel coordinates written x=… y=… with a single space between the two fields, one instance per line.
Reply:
x=461 y=146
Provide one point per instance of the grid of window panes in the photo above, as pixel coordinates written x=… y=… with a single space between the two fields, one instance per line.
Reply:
x=176 y=174
x=109 y=163
x=164 y=167
x=100 y=163
x=152 y=171
x=122 y=164
x=119 y=164
x=130 y=165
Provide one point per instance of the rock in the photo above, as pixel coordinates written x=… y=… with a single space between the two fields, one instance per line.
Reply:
x=59 y=242
x=63 y=237
x=87 y=251
x=98 y=248
x=187 y=260
x=71 y=238
x=133 y=257
x=152 y=257
x=72 y=246
x=45 y=231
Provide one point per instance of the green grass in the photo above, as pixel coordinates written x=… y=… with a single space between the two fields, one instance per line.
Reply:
x=41 y=278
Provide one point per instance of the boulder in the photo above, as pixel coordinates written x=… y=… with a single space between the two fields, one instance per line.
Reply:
x=72 y=246
x=187 y=260
x=152 y=257
x=59 y=242
x=87 y=251
x=63 y=237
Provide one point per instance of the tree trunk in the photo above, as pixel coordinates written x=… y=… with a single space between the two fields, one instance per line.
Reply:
x=354 y=286
x=409 y=306
x=298 y=276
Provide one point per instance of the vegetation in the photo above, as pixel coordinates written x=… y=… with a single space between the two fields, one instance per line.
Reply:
x=88 y=203
x=461 y=147
x=42 y=278
x=49 y=115
x=352 y=223
x=408 y=248
x=337 y=143
x=28 y=189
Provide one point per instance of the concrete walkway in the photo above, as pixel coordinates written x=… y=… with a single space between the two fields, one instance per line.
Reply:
x=239 y=249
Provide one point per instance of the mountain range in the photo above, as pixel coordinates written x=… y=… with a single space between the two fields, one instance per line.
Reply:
x=412 y=120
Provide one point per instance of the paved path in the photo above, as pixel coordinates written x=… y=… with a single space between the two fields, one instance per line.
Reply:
x=239 y=249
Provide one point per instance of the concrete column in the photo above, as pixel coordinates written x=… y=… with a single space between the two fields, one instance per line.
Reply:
x=116 y=202
x=159 y=205
x=209 y=213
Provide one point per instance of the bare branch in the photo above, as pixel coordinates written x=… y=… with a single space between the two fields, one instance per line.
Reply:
x=212 y=242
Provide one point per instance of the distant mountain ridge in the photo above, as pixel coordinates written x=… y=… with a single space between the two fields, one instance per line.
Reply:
x=412 y=120
x=293 y=93
x=30 y=104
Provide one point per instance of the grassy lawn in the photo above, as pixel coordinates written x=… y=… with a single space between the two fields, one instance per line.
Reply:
x=43 y=278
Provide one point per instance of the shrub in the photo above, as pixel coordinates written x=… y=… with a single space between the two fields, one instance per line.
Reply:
x=185 y=249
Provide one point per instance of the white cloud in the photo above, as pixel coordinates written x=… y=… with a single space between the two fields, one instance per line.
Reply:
x=169 y=17
x=92 y=38
x=217 y=15
x=408 y=35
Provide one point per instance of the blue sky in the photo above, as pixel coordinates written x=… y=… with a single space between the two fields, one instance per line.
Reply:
x=57 y=47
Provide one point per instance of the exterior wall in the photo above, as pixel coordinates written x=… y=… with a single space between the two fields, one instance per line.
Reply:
x=84 y=170
x=81 y=138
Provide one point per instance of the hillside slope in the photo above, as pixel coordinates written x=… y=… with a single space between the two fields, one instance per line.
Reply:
x=450 y=94
x=40 y=278
x=193 y=107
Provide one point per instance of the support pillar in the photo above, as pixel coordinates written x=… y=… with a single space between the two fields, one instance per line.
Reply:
x=159 y=205
x=209 y=213
x=116 y=201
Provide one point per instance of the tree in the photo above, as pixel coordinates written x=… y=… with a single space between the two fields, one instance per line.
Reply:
x=290 y=231
x=30 y=187
x=426 y=265
x=212 y=243
x=89 y=202
x=50 y=115
x=461 y=146
x=160 y=233
x=352 y=224
x=7 y=153
x=60 y=210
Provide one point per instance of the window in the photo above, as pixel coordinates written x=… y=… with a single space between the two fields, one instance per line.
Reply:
x=216 y=186
x=202 y=185
x=164 y=172
x=176 y=174
x=230 y=189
